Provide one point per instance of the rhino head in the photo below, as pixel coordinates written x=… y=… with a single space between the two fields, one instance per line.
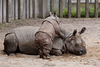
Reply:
x=75 y=44
x=53 y=15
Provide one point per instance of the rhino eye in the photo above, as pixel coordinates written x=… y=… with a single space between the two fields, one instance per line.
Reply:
x=72 y=41
x=76 y=45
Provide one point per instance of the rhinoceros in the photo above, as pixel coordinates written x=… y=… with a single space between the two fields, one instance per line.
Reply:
x=22 y=40
x=45 y=35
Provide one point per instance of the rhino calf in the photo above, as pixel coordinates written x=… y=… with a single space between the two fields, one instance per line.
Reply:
x=46 y=34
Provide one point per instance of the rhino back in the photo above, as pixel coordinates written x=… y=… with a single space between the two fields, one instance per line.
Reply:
x=26 y=36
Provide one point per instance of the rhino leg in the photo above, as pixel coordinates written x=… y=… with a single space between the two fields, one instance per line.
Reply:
x=57 y=46
x=10 y=44
x=56 y=52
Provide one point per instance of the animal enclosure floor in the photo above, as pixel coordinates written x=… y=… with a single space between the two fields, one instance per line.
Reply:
x=91 y=36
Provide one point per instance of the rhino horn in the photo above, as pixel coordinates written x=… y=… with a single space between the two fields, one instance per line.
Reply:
x=74 y=32
x=82 y=30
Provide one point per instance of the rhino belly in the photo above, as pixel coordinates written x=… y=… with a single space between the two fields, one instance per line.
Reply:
x=28 y=49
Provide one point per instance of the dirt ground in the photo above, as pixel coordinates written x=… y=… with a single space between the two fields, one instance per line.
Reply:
x=91 y=36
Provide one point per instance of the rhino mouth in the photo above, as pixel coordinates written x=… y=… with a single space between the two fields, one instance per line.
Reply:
x=80 y=52
x=77 y=51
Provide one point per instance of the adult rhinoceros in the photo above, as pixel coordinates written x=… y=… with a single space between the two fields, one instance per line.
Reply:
x=22 y=40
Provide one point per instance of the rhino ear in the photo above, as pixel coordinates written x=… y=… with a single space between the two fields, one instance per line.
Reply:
x=54 y=13
x=50 y=14
x=74 y=32
x=82 y=30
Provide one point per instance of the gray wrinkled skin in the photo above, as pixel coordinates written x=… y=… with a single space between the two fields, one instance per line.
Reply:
x=21 y=38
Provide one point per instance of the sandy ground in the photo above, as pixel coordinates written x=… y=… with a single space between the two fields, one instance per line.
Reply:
x=91 y=36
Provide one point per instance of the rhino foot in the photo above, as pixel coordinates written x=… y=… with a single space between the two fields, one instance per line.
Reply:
x=56 y=52
x=46 y=57
x=12 y=54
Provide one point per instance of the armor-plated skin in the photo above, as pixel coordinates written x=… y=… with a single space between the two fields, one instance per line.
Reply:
x=46 y=34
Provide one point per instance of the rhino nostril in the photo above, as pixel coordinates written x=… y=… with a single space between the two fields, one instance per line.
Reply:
x=81 y=52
